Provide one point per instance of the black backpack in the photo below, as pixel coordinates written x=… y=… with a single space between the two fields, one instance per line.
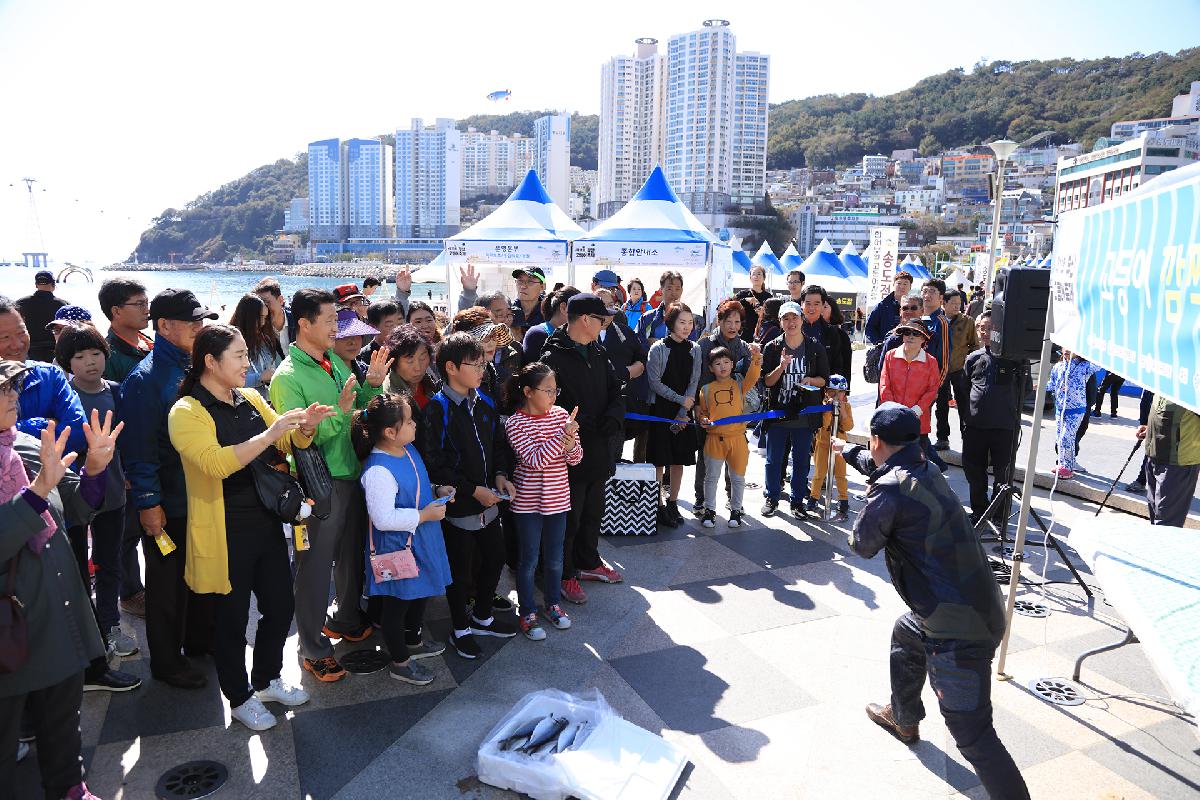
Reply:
x=871 y=367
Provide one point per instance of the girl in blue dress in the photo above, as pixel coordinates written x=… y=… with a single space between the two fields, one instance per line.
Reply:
x=401 y=508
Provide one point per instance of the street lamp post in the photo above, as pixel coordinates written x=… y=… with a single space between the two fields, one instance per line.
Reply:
x=1003 y=148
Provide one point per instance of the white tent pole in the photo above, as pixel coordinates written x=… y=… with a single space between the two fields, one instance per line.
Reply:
x=1039 y=402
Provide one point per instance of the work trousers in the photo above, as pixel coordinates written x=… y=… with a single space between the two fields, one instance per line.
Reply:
x=401 y=624
x=107 y=534
x=780 y=440
x=1169 y=491
x=821 y=468
x=175 y=617
x=131 y=566
x=53 y=715
x=983 y=448
x=476 y=558
x=581 y=544
x=957 y=383
x=336 y=544
x=258 y=564
x=960 y=673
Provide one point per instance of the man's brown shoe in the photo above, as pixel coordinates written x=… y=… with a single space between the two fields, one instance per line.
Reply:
x=882 y=716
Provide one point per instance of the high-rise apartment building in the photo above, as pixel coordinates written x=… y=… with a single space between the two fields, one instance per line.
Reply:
x=428 y=180
x=326 y=190
x=552 y=156
x=632 y=122
x=368 y=171
x=699 y=110
x=524 y=157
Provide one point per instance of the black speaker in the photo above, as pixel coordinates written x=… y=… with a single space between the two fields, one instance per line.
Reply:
x=1020 y=297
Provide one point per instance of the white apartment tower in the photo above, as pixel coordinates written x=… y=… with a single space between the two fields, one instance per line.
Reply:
x=632 y=121
x=428 y=180
x=368 y=170
x=326 y=190
x=752 y=77
x=552 y=156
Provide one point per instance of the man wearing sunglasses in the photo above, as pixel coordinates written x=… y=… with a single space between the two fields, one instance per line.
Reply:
x=886 y=314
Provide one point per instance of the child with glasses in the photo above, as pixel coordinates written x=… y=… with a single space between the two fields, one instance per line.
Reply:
x=545 y=439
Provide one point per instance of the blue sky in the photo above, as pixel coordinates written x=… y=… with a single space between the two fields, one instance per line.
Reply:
x=127 y=108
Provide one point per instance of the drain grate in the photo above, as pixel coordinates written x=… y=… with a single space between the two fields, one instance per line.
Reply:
x=192 y=780
x=1058 y=691
x=1001 y=571
x=364 y=662
x=1028 y=608
x=1005 y=550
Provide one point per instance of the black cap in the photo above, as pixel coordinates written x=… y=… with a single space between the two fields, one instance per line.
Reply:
x=895 y=424
x=179 y=304
x=43 y=277
x=588 y=303
x=533 y=272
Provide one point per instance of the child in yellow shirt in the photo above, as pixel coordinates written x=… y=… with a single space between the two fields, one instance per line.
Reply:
x=725 y=444
x=835 y=392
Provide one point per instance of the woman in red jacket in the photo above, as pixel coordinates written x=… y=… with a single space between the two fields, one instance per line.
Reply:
x=912 y=377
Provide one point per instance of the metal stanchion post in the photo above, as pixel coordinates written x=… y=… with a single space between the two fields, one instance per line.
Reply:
x=833 y=432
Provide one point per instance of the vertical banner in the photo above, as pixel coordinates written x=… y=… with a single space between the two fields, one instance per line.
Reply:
x=1125 y=283
x=881 y=250
x=982 y=271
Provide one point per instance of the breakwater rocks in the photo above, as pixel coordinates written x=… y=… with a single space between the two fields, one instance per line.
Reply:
x=351 y=271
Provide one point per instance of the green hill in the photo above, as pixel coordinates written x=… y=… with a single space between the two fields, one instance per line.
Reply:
x=1078 y=100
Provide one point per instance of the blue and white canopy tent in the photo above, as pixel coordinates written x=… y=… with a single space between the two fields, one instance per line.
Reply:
x=527 y=230
x=855 y=265
x=654 y=232
x=791 y=258
x=433 y=271
x=741 y=262
x=825 y=269
x=766 y=259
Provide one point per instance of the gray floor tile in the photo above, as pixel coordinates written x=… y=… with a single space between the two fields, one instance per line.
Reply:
x=773 y=549
x=1126 y=665
x=754 y=602
x=156 y=708
x=1163 y=759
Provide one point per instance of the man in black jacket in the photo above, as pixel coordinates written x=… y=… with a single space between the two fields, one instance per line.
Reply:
x=464 y=446
x=37 y=310
x=990 y=418
x=586 y=381
x=886 y=314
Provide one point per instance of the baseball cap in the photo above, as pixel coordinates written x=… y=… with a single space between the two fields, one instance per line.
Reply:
x=68 y=314
x=607 y=278
x=533 y=272
x=790 y=307
x=588 y=303
x=895 y=424
x=10 y=370
x=347 y=292
x=179 y=304
x=43 y=277
x=348 y=324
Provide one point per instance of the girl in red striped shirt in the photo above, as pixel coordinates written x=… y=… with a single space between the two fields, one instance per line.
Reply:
x=545 y=439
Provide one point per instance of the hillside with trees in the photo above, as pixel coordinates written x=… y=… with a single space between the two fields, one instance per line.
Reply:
x=1078 y=100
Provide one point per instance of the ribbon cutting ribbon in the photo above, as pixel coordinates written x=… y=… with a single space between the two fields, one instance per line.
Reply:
x=740 y=418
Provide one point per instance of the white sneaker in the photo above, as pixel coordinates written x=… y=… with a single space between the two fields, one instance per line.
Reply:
x=279 y=692
x=254 y=715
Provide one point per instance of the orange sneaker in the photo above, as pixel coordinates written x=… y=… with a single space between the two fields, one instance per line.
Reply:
x=356 y=636
x=325 y=669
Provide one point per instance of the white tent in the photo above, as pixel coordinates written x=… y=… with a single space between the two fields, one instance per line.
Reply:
x=527 y=230
x=825 y=269
x=652 y=233
x=956 y=279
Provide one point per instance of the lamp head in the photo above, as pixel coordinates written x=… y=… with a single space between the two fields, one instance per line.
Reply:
x=1003 y=148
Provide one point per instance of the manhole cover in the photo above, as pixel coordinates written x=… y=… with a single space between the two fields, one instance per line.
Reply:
x=1028 y=608
x=194 y=779
x=364 y=662
x=1058 y=691
x=1001 y=571
x=1005 y=550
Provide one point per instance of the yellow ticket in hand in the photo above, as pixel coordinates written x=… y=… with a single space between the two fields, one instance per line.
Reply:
x=300 y=536
x=165 y=545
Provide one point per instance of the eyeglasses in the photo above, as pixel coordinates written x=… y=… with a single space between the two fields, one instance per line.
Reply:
x=912 y=308
x=138 y=304
x=479 y=365
x=598 y=317
x=528 y=281
x=795 y=283
x=552 y=392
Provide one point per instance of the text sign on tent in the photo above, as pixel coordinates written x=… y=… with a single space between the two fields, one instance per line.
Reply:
x=884 y=243
x=1125 y=283
x=634 y=254
x=507 y=252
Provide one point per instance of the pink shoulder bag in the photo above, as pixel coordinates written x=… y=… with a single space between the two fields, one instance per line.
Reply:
x=400 y=564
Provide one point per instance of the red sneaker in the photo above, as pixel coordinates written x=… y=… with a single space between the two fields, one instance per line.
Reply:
x=573 y=592
x=603 y=573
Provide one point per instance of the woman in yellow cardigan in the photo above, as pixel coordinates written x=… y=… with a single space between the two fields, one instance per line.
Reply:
x=235 y=544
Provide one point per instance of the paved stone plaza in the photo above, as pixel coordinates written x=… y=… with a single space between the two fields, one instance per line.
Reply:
x=754 y=650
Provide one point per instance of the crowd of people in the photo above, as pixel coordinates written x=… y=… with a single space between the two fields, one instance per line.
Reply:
x=432 y=451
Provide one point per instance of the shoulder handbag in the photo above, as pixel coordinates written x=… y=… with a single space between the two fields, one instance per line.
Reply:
x=277 y=490
x=314 y=476
x=14 y=630
x=871 y=365
x=399 y=564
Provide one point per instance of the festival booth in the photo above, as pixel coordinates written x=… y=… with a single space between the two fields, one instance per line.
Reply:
x=433 y=271
x=956 y=279
x=766 y=259
x=791 y=259
x=856 y=266
x=652 y=233
x=527 y=230
x=825 y=269
x=741 y=268
x=1122 y=296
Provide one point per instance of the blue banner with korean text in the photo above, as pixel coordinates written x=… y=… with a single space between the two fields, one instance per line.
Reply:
x=1125 y=285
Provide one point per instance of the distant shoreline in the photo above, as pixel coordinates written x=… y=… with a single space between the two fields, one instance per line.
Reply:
x=311 y=270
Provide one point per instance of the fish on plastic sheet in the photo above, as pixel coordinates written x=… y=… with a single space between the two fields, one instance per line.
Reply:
x=546 y=731
x=520 y=736
x=577 y=737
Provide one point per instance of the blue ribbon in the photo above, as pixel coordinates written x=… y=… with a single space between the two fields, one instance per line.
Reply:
x=740 y=418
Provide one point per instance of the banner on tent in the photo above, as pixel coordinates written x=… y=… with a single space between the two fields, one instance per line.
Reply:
x=507 y=252
x=882 y=249
x=846 y=302
x=1125 y=283
x=640 y=254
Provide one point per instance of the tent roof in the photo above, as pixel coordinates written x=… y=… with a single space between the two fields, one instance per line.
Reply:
x=655 y=214
x=766 y=258
x=528 y=215
x=824 y=268
x=853 y=262
x=791 y=258
x=741 y=261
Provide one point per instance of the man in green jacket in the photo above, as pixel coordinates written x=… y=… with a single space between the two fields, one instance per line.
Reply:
x=1172 y=435
x=311 y=373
